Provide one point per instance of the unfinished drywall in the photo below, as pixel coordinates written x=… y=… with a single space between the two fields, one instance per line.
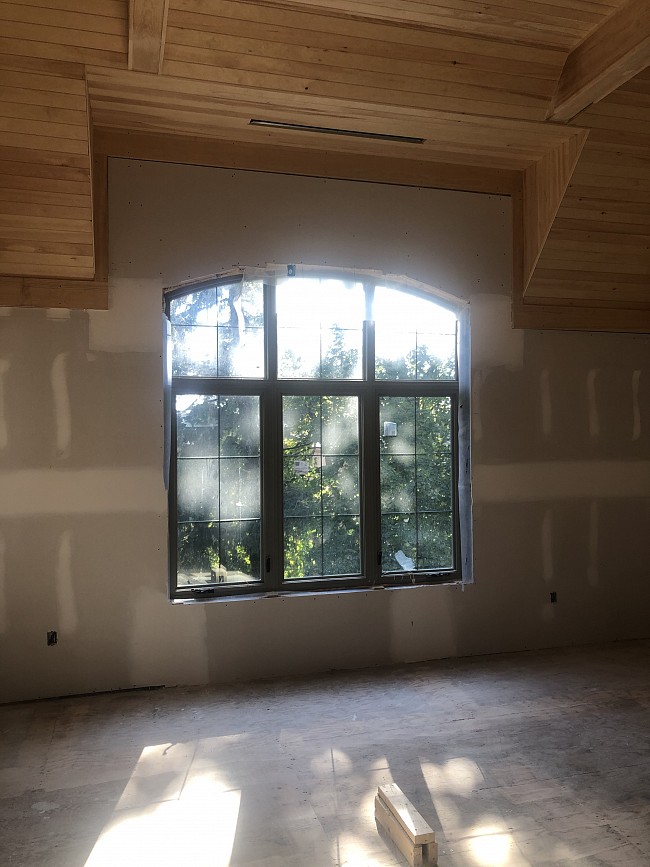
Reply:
x=561 y=451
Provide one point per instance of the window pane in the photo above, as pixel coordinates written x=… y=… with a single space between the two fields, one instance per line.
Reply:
x=321 y=485
x=239 y=489
x=435 y=541
x=303 y=549
x=219 y=331
x=194 y=350
x=397 y=483
x=197 y=308
x=320 y=328
x=198 y=489
x=217 y=552
x=340 y=480
x=218 y=488
x=434 y=460
x=398 y=543
x=415 y=338
x=341 y=546
x=416 y=474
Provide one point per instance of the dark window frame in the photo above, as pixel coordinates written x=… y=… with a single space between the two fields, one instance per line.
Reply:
x=368 y=390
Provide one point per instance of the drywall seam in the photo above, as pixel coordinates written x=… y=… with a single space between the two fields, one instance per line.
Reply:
x=560 y=480
x=81 y=492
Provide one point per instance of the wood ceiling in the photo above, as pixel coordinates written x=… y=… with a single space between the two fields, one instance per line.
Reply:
x=547 y=102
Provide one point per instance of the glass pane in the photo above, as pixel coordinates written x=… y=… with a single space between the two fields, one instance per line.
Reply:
x=303 y=554
x=434 y=461
x=397 y=425
x=301 y=422
x=217 y=425
x=436 y=356
x=198 y=489
x=216 y=552
x=219 y=331
x=241 y=352
x=416 y=479
x=302 y=487
x=194 y=350
x=298 y=353
x=321 y=485
x=341 y=353
x=320 y=328
x=341 y=431
x=239 y=551
x=197 y=308
x=218 y=488
x=239 y=491
x=395 y=353
x=397 y=483
x=240 y=426
x=398 y=543
x=434 y=482
x=340 y=481
x=197 y=553
x=197 y=425
x=433 y=421
x=341 y=547
x=435 y=542
x=415 y=338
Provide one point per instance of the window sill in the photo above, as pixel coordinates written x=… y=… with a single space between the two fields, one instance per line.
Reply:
x=338 y=591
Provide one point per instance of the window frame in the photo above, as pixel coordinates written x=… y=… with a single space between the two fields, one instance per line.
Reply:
x=270 y=389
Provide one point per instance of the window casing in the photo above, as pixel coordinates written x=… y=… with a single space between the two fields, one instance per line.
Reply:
x=308 y=450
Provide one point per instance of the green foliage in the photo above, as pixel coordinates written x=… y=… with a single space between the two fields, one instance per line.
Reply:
x=218 y=444
x=416 y=480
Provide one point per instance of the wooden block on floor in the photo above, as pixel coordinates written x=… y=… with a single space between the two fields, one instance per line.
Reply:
x=397 y=816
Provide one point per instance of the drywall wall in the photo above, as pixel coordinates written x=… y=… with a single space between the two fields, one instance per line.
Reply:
x=561 y=452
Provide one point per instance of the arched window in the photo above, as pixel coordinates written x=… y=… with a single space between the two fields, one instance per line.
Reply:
x=314 y=435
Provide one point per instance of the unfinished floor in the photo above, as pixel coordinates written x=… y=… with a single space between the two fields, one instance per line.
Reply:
x=518 y=759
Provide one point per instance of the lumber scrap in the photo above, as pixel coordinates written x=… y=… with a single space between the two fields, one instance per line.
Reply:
x=408 y=830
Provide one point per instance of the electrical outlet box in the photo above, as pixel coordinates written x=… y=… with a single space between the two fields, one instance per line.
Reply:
x=52 y=638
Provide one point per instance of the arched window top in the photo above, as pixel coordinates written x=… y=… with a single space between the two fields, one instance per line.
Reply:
x=326 y=324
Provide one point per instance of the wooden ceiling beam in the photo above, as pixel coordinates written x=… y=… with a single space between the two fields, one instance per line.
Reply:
x=544 y=185
x=39 y=292
x=147 y=29
x=613 y=53
x=73 y=294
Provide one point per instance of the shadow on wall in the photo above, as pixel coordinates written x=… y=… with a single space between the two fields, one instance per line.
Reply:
x=82 y=516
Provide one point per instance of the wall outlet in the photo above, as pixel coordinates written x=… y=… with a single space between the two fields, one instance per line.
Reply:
x=52 y=638
x=553 y=597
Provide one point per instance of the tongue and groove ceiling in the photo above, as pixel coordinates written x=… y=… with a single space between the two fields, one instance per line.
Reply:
x=546 y=102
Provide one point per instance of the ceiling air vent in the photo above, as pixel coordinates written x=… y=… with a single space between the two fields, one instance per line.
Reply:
x=274 y=124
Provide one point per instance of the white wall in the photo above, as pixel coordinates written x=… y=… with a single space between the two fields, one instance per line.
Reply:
x=561 y=451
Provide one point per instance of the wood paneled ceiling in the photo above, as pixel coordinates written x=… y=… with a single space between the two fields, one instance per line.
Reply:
x=548 y=102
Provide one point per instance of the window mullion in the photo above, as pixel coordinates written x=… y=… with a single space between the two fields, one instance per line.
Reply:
x=369 y=446
x=272 y=535
x=173 y=502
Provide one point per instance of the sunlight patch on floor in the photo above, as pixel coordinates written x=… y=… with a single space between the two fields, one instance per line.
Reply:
x=491 y=847
x=196 y=825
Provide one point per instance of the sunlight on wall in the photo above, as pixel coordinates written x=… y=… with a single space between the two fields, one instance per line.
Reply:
x=196 y=827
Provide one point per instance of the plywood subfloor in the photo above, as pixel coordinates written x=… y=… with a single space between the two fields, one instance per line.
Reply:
x=520 y=759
